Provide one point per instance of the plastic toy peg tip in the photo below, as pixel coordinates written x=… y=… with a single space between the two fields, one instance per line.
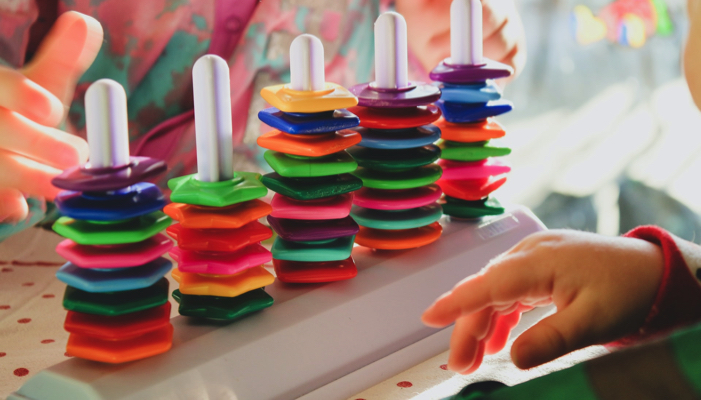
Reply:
x=391 y=61
x=106 y=125
x=466 y=32
x=213 y=129
x=307 y=64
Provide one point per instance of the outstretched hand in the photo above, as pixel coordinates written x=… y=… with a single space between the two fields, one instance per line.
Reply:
x=603 y=288
x=33 y=102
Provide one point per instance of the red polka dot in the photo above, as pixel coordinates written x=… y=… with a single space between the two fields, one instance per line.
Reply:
x=6 y=269
x=21 y=371
x=2 y=354
x=444 y=367
x=405 y=384
x=48 y=296
x=24 y=320
x=4 y=307
x=46 y=341
x=67 y=355
x=28 y=284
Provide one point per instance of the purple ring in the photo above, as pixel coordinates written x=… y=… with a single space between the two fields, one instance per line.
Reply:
x=416 y=94
x=448 y=73
x=85 y=179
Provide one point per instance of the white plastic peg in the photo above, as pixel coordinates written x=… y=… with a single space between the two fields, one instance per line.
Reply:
x=391 y=62
x=466 y=32
x=307 y=63
x=107 y=124
x=213 y=130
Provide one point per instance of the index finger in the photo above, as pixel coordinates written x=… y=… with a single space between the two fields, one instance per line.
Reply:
x=495 y=14
x=65 y=53
x=26 y=97
x=510 y=280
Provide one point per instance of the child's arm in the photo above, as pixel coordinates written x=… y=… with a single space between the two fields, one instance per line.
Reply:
x=428 y=31
x=692 y=51
x=604 y=289
x=33 y=101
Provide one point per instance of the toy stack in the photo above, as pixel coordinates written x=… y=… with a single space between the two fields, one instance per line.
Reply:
x=469 y=100
x=220 y=259
x=312 y=182
x=397 y=207
x=117 y=296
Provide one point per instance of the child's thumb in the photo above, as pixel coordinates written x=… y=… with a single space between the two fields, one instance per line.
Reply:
x=13 y=206
x=66 y=52
x=563 y=332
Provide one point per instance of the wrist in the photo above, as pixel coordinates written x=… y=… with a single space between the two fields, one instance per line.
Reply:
x=676 y=302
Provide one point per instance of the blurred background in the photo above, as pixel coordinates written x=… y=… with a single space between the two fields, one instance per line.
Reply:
x=604 y=133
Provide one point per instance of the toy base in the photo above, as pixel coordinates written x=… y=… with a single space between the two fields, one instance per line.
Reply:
x=325 y=341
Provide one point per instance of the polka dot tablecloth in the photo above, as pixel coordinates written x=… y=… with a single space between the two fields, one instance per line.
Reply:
x=32 y=336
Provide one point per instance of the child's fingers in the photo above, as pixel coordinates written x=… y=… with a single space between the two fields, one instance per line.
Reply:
x=502 y=330
x=479 y=356
x=495 y=13
x=27 y=175
x=26 y=97
x=465 y=341
x=504 y=36
x=567 y=330
x=506 y=46
x=516 y=59
x=13 y=206
x=66 y=52
x=508 y=281
x=41 y=143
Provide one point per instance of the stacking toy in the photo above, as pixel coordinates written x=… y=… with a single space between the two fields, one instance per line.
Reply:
x=469 y=101
x=312 y=181
x=220 y=260
x=397 y=206
x=117 y=295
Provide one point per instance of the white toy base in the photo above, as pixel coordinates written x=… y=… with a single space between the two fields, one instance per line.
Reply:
x=324 y=341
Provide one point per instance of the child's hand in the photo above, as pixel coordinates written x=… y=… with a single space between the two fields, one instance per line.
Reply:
x=33 y=102
x=603 y=288
x=428 y=30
